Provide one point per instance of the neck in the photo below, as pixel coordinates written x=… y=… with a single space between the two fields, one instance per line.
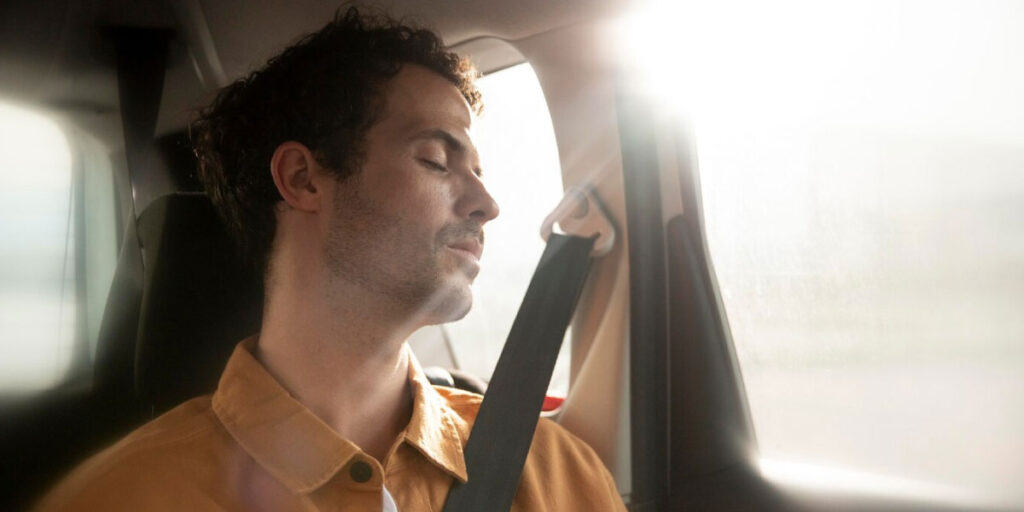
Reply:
x=343 y=359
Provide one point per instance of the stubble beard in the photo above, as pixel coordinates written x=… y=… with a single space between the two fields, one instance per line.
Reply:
x=382 y=255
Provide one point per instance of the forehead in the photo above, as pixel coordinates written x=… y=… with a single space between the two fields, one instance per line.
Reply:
x=418 y=99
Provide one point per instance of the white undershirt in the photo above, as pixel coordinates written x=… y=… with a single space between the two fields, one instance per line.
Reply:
x=389 y=502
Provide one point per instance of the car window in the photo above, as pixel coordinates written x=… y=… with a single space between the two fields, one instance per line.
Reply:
x=521 y=171
x=862 y=168
x=58 y=253
x=37 y=299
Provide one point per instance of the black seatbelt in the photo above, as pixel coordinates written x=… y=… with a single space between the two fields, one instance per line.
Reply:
x=501 y=437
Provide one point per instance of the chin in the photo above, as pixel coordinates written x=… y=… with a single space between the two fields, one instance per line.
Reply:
x=449 y=305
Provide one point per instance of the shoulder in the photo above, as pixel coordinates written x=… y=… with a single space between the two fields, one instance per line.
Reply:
x=562 y=472
x=551 y=439
x=175 y=428
x=160 y=456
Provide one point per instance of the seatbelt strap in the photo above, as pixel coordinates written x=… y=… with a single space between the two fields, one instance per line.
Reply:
x=504 y=427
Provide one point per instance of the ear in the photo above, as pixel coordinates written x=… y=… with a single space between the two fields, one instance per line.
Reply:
x=294 y=169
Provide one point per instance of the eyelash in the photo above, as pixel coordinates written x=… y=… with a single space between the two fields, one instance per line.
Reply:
x=433 y=165
x=438 y=167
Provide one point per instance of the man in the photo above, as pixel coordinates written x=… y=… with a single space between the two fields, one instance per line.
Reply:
x=346 y=170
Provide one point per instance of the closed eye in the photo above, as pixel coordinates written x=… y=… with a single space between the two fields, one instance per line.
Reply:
x=433 y=165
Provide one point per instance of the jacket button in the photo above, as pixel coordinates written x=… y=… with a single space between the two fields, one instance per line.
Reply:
x=360 y=471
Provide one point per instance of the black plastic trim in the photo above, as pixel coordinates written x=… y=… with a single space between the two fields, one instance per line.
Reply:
x=648 y=308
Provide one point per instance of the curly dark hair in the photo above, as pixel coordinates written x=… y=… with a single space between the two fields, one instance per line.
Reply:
x=324 y=91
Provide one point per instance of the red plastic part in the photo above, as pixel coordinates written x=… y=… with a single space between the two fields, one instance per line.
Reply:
x=552 y=403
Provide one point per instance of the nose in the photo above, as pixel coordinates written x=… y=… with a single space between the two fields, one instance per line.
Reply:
x=475 y=202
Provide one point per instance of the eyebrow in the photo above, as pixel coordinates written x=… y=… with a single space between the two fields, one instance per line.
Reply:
x=449 y=140
x=443 y=136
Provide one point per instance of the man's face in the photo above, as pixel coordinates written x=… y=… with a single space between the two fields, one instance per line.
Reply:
x=408 y=224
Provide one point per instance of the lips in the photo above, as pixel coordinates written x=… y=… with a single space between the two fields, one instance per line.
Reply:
x=472 y=246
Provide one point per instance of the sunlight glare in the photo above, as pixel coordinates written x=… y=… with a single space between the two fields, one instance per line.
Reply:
x=830 y=479
x=796 y=61
x=860 y=172
x=36 y=283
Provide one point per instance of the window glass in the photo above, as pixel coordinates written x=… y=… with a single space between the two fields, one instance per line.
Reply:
x=521 y=171
x=862 y=168
x=101 y=234
x=37 y=268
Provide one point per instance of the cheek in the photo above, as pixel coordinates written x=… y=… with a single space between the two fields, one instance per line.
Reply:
x=422 y=201
x=411 y=196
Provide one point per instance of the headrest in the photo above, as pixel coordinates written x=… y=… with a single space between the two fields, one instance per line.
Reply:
x=198 y=301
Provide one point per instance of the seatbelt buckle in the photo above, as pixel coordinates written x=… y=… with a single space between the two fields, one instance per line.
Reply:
x=580 y=213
